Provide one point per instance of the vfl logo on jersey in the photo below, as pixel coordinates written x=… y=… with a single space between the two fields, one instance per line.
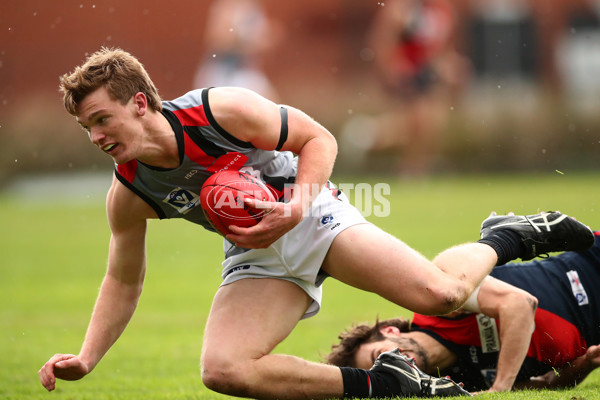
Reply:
x=182 y=200
x=488 y=333
x=577 y=288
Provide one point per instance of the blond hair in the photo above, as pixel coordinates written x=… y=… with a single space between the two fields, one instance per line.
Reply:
x=115 y=69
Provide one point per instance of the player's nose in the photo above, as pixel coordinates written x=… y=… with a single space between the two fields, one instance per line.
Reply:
x=96 y=135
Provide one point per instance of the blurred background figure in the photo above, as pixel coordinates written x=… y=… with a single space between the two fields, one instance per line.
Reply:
x=237 y=34
x=529 y=102
x=422 y=73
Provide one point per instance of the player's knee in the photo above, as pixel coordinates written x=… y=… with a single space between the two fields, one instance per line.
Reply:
x=533 y=302
x=527 y=298
x=223 y=376
x=447 y=299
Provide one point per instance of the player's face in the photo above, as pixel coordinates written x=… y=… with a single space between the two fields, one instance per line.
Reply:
x=111 y=125
x=368 y=352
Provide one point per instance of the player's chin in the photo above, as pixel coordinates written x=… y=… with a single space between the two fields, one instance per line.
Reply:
x=120 y=157
x=121 y=160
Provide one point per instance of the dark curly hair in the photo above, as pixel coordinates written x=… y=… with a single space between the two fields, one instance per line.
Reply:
x=343 y=354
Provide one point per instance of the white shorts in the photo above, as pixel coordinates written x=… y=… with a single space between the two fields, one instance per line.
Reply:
x=298 y=255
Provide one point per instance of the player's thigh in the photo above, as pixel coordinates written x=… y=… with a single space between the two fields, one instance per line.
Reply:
x=249 y=317
x=370 y=259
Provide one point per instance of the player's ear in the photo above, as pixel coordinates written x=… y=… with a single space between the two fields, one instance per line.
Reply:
x=141 y=103
x=389 y=330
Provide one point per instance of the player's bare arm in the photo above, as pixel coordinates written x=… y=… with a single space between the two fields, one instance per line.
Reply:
x=252 y=118
x=515 y=310
x=124 y=278
x=119 y=292
x=569 y=376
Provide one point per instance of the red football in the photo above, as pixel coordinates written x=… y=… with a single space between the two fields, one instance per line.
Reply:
x=222 y=200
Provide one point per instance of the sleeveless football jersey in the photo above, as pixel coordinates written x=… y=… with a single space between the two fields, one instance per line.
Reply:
x=204 y=148
x=566 y=322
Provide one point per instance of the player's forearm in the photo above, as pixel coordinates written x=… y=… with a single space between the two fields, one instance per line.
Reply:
x=510 y=359
x=114 y=307
x=315 y=164
x=517 y=321
x=571 y=375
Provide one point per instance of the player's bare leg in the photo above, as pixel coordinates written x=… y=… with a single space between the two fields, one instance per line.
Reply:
x=368 y=258
x=248 y=319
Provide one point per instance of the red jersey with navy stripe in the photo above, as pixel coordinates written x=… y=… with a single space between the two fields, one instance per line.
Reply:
x=566 y=322
x=204 y=148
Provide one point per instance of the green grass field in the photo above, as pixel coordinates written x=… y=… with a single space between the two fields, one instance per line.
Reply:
x=54 y=256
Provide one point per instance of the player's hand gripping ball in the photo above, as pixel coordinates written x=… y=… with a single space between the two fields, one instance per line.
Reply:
x=222 y=200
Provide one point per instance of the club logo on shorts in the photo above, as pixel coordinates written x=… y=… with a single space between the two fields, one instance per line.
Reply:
x=326 y=220
x=577 y=288
x=329 y=222
x=182 y=200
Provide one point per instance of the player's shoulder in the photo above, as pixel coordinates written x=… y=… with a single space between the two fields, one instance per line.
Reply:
x=123 y=206
x=190 y=99
x=230 y=93
x=230 y=99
